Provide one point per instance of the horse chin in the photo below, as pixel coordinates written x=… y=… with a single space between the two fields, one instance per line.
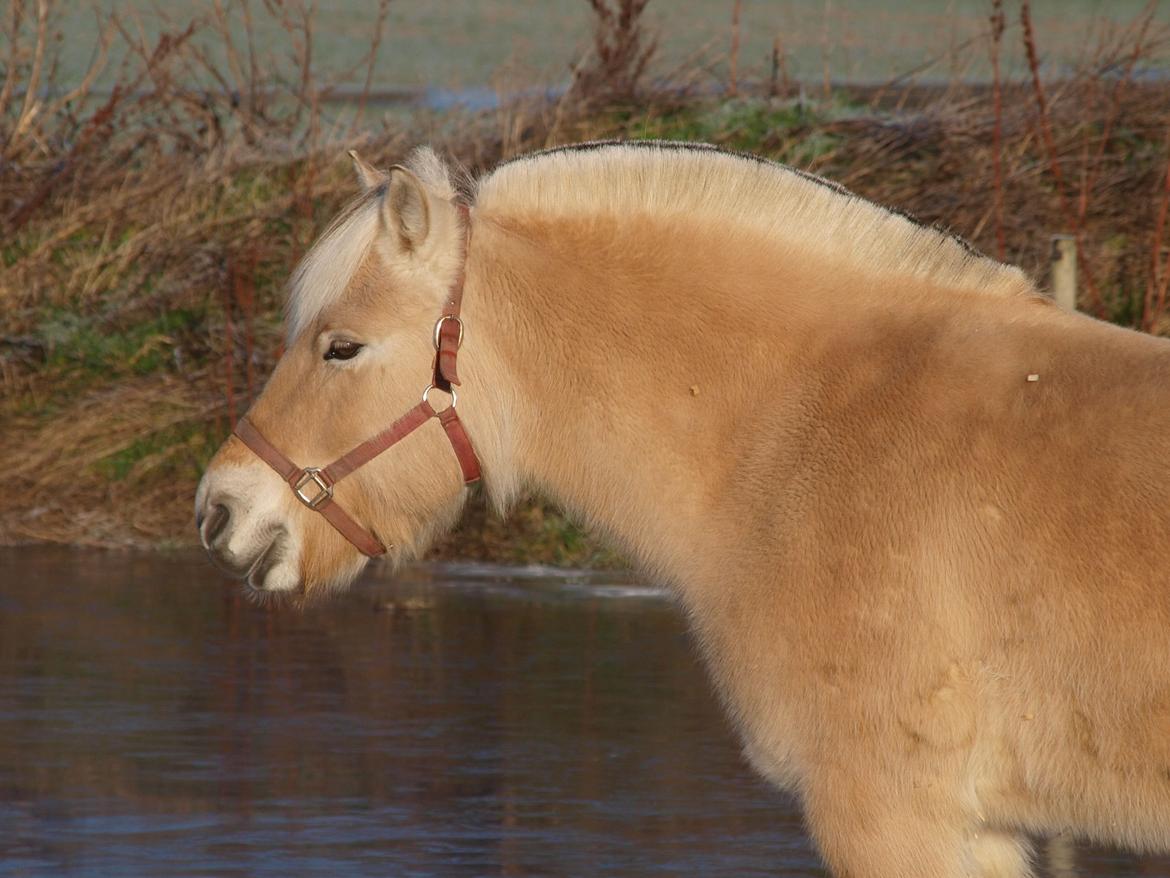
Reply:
x=343 y=572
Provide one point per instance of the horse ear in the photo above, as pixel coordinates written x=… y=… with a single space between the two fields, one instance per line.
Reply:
x=406 y=209
x=368 y=177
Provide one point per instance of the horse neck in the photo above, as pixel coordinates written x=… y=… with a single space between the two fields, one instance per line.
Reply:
x=612 y=377
x=666 y=380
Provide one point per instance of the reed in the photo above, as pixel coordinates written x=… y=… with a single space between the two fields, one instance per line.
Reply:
x=998 y=23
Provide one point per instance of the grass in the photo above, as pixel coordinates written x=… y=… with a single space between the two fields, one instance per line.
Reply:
x=182 y=450
x=793 y=132
x=74 y=341
x=146 y=233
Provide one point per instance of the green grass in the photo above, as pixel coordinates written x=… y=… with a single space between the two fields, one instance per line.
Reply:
x=561 y=541
x=76 y=342
x=183 y=449
x=792 y=132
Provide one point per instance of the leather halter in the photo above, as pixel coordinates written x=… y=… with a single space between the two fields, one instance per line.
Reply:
x=313 y=485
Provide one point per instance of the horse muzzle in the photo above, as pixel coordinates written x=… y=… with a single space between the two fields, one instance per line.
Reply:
x=262 y=553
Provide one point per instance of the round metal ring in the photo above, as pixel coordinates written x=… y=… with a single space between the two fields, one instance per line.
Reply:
x=430 y=387
x=439 y=329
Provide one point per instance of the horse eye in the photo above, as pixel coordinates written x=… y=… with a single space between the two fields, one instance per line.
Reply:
x=342 y=349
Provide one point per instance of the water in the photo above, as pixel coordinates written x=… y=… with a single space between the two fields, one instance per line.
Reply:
x=460 y=721
x=460 y=45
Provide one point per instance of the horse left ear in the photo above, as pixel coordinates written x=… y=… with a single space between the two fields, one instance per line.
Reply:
x=368 y=176
x=406 y=209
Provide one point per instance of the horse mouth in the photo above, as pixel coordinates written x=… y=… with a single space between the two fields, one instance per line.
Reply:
x=259 y=578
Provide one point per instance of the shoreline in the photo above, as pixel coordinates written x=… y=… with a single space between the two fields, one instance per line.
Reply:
x=143 y=262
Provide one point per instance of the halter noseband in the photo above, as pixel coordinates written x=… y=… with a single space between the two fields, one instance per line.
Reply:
x=313 y=485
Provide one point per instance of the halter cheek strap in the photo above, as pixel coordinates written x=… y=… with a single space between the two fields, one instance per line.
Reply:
x=313 y=486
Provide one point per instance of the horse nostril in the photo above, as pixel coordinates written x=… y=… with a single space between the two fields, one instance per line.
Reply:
x=216 y=521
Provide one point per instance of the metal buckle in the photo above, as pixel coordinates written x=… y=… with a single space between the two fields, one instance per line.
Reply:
x=439 y=329
x=430 y=387
x=324 y=489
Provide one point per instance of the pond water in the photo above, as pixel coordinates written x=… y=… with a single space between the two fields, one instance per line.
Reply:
x=450 y=721
x=465 y=45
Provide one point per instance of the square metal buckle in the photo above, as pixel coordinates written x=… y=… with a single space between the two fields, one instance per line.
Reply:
x=312 y=475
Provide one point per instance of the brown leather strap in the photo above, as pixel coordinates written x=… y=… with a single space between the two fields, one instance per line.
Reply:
x=364 y=541
x=322 y=500
x=375 y=445
x=446 y=372
x=468 y=462
x=266 y=451
x=450 y=328
x=307 y=481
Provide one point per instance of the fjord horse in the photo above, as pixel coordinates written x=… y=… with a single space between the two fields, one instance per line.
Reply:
x=917 y=515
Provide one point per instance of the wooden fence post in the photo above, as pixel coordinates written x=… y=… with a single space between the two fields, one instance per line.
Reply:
x=1059 y=851
x=1064 y=271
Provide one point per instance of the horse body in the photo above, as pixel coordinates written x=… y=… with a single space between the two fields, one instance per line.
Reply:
x=910 y=507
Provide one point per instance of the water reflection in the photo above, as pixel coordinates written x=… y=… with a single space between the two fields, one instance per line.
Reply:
x=456 y=721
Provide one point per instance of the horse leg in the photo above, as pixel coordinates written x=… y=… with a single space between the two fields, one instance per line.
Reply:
x=1001 y=855
x=873 y=827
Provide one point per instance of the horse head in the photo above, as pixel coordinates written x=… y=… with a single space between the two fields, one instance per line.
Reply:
x=373 y=322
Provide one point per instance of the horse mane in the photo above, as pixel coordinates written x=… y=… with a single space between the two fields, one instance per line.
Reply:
x=803 y=211
x=664 y=178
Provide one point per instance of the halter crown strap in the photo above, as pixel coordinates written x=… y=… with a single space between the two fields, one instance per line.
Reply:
x=313 y=486
x=449 y=329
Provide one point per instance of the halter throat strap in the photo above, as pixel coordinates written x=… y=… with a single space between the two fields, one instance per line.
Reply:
x=313 y=486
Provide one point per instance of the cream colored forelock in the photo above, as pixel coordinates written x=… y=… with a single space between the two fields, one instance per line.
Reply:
x=326 y=270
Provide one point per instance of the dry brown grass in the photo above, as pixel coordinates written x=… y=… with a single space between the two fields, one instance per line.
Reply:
x=945 y=164
x=56 y=463
x=145 y=232
x=189 y=187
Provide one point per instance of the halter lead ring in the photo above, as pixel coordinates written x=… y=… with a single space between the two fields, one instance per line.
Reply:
x=448 y=338
x=453 y=394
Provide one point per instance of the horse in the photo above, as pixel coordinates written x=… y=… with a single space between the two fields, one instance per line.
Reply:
x=914 y=512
